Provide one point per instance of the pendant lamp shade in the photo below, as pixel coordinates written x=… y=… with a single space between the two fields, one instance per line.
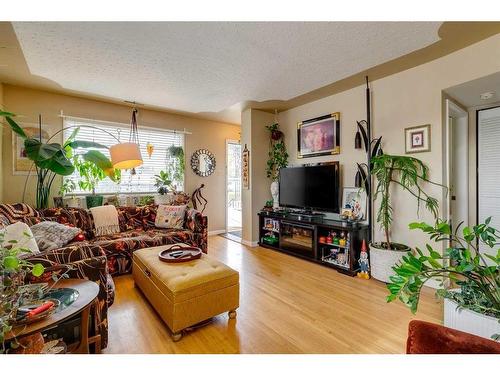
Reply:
x=125 y=155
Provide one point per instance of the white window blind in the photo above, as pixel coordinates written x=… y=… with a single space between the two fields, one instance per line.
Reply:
x=143 y=181
x=489 y=159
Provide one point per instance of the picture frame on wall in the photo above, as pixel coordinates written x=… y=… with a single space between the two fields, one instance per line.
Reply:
x=319 y=136
x=418 y=139
x=21 y=165
x=354 y=200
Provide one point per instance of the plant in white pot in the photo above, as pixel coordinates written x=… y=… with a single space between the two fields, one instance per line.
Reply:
x=469 y=279
x=277 y=159
x=163 y=181
x=409 y=174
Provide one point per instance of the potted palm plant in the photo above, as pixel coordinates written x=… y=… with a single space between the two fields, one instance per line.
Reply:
x=474 y=306
x=409 y=174
x=92 y=171
x=177 y=168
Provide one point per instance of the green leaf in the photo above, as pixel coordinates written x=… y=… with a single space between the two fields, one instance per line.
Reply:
x=85 y=144
x=37 y=270
x=101 y=161
x=72 y=137
x=16 y=128
x=11 y=262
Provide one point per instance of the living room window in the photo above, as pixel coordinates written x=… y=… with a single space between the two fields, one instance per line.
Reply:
x=143 y=180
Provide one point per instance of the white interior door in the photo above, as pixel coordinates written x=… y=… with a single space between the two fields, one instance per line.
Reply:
x=488 y=146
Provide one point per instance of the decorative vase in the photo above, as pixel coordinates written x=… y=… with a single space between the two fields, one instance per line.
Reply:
x=275 y=191
x=73 y=202
x=382 y=260
x=94 y=200
x=469 y=321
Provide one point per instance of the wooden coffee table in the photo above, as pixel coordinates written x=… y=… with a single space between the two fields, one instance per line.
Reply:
x=88 y=291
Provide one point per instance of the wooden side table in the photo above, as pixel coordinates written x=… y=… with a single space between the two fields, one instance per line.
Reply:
x=88 y=291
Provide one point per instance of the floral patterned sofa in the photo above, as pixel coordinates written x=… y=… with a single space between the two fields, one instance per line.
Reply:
x=137 y=231
x=97 y=258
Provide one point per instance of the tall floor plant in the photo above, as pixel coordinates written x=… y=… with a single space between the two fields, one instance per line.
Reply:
x=54 y=159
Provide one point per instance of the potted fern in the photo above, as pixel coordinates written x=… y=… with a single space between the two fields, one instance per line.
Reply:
x=474 y=306
x=409 y=174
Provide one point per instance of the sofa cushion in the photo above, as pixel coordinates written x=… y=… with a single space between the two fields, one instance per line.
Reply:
x=17 y=212
x=170 y=216
x=21 y=233
x=51 y=235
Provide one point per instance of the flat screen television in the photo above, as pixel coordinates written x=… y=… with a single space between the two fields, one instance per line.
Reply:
x=310 y=187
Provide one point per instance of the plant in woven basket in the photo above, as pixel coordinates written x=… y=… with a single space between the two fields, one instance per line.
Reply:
x=476 y=273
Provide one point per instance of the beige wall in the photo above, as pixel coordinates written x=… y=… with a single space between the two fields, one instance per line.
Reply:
x=412 y=97
x=255 y=135
x=28 y=103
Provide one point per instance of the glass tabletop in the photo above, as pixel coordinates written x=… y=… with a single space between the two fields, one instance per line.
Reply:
x=66 y=296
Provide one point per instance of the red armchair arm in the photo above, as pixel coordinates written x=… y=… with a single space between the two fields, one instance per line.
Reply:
x=430 y=338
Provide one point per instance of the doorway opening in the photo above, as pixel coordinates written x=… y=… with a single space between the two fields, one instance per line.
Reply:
x=233 y=188
x=457 y=146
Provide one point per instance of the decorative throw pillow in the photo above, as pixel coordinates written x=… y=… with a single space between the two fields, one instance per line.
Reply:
x=170 y=216
x=50 y=235
x=21 y=233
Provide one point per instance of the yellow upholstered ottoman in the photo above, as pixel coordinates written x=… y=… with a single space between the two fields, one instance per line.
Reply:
x=186 y=293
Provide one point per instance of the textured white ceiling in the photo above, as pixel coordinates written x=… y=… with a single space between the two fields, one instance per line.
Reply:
x=210 y=67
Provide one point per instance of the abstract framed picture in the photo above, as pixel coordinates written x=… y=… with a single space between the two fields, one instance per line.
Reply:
x=319 y=136
x=21 y=165
x=418 y=139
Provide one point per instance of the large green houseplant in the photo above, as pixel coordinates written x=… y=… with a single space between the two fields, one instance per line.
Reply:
x=54 y=159
x=176 y=169
x=91 y=169
x=277 y=159
x=476 y=274
x=409 y=174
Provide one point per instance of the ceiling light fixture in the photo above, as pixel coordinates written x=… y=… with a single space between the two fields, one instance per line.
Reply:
x=487 y=95
x=128 y=155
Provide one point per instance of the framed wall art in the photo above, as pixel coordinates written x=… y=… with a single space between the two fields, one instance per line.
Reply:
x=418 y=139
x=245 y=168
x=354 y=200
x=319 y=136
x=21 y=165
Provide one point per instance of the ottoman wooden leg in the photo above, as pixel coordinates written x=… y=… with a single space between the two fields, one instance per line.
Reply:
x=176 y=336
x=232 y=314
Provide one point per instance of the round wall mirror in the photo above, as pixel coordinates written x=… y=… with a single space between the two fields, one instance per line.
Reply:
x=203 y=162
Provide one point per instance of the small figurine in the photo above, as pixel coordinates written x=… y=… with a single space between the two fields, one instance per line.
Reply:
x=329 y=238
x=364 y=263
x=342 y=240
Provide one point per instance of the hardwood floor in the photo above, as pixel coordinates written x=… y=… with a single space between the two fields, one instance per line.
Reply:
x=287 y=305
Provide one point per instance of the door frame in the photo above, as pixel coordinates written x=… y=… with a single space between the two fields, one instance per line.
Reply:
x=455 y=111
x=228 y=142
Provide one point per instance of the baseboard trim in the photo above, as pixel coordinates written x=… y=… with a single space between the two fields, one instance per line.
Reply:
x=250 y=243
x=216 y=232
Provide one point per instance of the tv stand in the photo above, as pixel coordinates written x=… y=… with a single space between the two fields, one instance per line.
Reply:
x=311 y=237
